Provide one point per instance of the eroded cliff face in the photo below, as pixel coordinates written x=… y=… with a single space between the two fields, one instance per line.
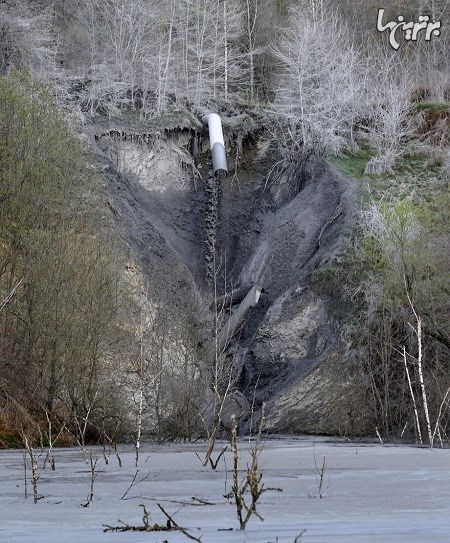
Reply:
x=276 y=226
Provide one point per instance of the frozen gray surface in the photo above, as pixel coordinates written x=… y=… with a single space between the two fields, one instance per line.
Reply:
x=373 y=493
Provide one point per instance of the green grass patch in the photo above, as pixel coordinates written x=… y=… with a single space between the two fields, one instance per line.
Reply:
x=413 y=176
x=409 y=164
x=416 y=163
x=433 y=106
x=352 y=164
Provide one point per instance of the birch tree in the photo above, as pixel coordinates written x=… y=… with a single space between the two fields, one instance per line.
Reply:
x=406 y=362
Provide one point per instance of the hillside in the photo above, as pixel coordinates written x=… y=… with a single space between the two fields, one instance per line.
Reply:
x=125 y=262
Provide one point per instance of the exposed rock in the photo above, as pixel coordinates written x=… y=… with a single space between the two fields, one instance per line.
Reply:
x=236 y=404
x=294 y=332
x=329 y=400
x=304 y=365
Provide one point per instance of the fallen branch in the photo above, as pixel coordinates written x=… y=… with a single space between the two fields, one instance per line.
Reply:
x=202 y=501
x=196 y=502
x=171 y=522
x=128 y=528
x=146 y=527
x=170 y=526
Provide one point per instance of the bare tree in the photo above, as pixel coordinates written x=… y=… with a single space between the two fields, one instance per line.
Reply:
x=34 y=467
x=222 y=372
x=118 y=60
x=206 y=61
x=388 y=102
x=51 y=439
x=252 y=479
x=413 y=398
x=140 y=371
x=319 y=83
x=251 y=19
x=162 y=378
x=26 y=39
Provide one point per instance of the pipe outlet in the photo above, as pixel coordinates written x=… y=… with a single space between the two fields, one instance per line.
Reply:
x=217 y=144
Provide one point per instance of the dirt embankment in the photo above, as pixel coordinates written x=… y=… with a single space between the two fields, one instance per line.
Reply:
x=276 y=226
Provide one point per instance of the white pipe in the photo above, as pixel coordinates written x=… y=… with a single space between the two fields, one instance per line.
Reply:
x=217 y=143
x=237 y=318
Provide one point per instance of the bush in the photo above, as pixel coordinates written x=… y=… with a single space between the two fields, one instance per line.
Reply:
x=55 y=247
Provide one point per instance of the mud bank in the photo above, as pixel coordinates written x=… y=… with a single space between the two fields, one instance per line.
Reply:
x=273 y=226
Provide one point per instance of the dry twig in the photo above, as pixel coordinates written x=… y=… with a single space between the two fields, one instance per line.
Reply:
x=171 y=522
